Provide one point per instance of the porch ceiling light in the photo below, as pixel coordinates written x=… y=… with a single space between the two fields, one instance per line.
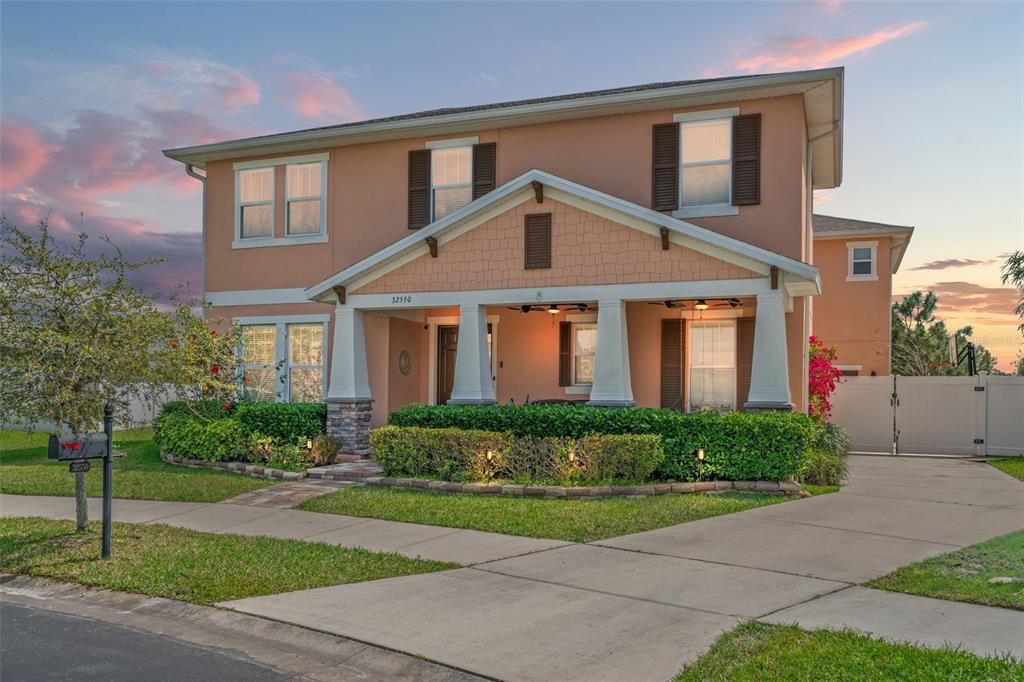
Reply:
x=701 y=304
x=553 y=309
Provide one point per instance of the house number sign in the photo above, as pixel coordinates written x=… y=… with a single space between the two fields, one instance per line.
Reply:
x=401 y=299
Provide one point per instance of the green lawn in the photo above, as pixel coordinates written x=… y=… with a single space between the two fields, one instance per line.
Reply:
x=963 y=575
x=557 y=519
x=755 y=652
x=201 y=568
x=1011 y=465
x=139 y=475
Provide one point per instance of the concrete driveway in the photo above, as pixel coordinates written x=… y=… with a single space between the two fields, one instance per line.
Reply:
x=639 y=606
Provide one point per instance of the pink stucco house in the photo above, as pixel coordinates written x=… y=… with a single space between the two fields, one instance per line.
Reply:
x=648 y=245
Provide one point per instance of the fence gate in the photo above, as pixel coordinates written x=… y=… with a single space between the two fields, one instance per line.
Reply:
x=980 y=415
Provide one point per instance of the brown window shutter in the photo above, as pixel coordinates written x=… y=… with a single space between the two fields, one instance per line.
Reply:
x=665 y=172
x=744 y=359
x=564 y=353
x=746 y=159
x=419 y=188
x=538 y=241
x=484 y=168
x=672 y=364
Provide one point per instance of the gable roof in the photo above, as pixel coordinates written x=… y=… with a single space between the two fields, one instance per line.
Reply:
x=803 y=276
x=822 y=90
x=834 y=227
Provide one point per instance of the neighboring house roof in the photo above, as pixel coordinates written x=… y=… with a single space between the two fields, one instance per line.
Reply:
x=799 y=278
x=834 y=227
x=822 y=90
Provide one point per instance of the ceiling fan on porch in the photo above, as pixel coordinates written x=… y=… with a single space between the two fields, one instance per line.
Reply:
x=700 y=303
x=552 y=309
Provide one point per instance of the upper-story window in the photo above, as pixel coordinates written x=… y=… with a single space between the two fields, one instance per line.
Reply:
x=256 y=202
x=863 y=261
x=304 y=198
x=451 y=179
x=257 y=194
x=705 y=168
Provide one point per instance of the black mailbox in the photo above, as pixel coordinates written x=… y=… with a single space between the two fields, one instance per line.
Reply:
x=78 y=446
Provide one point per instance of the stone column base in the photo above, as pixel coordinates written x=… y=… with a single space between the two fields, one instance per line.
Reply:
x=349 y=421
x=767 y=407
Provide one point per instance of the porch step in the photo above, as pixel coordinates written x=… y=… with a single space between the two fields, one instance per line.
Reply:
x=356 y=470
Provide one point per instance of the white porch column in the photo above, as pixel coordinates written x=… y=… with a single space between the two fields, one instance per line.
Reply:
x=472 y=385
x=612 y=384
x=769 y=373
x=349 y=402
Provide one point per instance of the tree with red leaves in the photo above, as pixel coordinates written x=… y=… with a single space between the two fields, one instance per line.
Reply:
x=824 y=377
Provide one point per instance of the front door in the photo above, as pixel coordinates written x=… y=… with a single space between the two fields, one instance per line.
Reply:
x=447 y=342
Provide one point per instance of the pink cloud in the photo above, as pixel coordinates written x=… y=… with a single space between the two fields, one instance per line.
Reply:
x=815 y=52
x=25 y=151
x=238 y=92
x=314 y=95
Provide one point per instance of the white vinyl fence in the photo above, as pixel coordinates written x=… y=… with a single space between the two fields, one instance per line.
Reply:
x=982 y=415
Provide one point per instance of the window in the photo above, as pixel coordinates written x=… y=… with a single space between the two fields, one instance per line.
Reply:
x=283 y=360
x=584 y=348
x=304 y=190
x=305 y=363
x=259 y=355
x=256 y=202
x=705 y=158
x=862 y=261
x=712 y=383
x=451 y=175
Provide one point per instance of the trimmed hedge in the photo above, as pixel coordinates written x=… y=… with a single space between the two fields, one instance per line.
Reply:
x=284 y=422
x=738 y=446
x=213 y=440
x=460 y=455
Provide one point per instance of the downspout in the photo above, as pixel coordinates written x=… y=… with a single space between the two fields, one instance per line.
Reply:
x=190 y=171
x=809 y=251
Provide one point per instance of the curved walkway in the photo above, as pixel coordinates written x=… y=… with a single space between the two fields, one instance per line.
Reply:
x=639 y=606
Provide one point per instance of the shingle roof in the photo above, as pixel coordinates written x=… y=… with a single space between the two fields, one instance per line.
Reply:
x=824 y=224
x=514 y=103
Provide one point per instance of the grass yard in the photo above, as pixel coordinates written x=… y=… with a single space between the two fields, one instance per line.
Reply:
x=963 y=575
x=556 y=519
x=768 y=653
x=176 y=563
x=139 y=475
x=1011 y=465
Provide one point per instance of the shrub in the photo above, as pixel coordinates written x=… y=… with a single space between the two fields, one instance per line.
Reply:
x=469 y=454
x=832 y=438
x=284 y=422
x=289 y=457
x=823 y=468
x=737 y=445
x=212 y=440
x=325 y=449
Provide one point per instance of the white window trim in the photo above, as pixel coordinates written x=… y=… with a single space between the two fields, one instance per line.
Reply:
x=689 y=365
x=240 y=242
x=239 y=205
x=449 y=320
x=850 y=246
x=281 y=356
x=706 y=210
x=322 y=197
x=577 y=318
x=451 y=144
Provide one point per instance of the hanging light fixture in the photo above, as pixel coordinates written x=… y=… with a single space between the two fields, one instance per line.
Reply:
x=701 y=304
x=553 y=309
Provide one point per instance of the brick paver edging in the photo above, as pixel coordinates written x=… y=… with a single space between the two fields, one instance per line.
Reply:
x=771 y=487
x=244 y=468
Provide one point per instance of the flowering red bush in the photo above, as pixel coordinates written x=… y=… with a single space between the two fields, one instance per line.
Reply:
x=824 y=377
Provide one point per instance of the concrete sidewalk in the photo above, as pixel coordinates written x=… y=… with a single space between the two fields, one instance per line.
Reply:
x=640 y=606
x=459 y=546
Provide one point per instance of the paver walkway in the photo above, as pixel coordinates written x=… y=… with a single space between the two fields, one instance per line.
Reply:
x=287 y=495
x=638 y=607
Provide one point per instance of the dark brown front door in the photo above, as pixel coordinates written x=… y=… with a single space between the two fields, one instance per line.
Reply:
x=447 y=342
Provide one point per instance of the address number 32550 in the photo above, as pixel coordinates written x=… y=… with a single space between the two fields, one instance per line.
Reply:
x=401 y=299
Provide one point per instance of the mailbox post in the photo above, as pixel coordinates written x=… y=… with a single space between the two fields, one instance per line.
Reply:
x=78 y=449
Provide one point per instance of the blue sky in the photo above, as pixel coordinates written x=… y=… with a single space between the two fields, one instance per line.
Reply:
x=934 y=92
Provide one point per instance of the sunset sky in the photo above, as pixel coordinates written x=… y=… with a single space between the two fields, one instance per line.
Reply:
x=91 y=92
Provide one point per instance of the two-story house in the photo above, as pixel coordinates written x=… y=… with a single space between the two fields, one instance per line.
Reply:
x=646 y=245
